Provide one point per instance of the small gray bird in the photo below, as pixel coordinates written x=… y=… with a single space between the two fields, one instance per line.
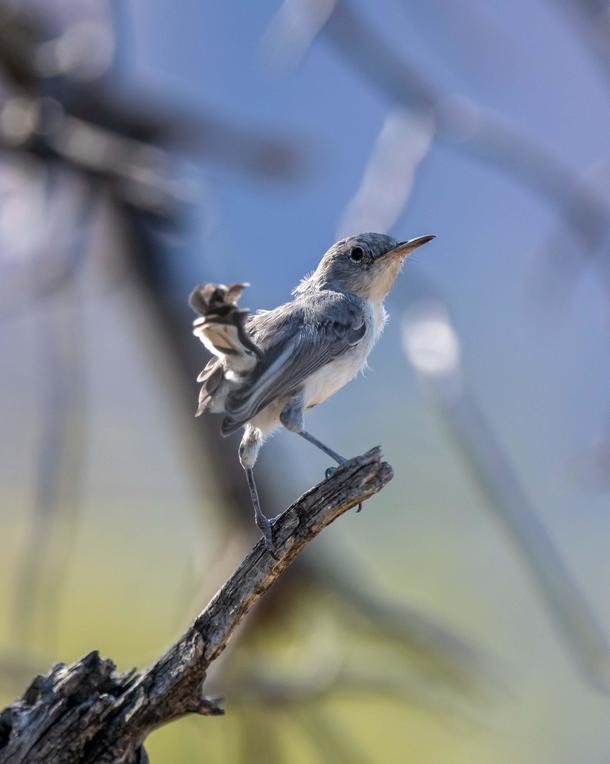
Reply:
x=269 y=367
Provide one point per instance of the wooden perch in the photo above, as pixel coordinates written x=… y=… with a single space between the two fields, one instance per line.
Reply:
x=86 y=713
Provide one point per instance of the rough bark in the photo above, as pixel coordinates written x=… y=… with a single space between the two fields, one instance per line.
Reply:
x=86 y=712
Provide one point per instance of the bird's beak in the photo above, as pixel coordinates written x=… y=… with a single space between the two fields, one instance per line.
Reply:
x=406 y=247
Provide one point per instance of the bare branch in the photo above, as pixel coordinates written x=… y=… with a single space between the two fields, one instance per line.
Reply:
x=86 y=713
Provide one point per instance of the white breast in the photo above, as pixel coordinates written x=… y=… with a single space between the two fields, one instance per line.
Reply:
x=332 y=377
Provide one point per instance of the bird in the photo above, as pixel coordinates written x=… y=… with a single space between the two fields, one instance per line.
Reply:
x=269 y=367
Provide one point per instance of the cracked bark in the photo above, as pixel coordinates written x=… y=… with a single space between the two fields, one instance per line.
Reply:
x=86 y=712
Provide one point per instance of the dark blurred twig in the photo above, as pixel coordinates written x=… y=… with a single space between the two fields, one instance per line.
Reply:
x=123 y=147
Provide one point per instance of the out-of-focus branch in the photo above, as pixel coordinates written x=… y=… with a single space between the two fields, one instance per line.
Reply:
x=593 y=16
x=282 y=692
x=436 y=651
x=85 y=713
x=468 y=126
x=462 y=123
x=433 y=348
x=123 y=151
x=50 y=112
x=558 y=265
x=389 y=176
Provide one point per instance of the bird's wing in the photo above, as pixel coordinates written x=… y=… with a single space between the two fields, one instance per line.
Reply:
x=297 y=340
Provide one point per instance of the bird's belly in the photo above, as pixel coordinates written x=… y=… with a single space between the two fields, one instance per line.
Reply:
x=332 y=377
x=326 y=381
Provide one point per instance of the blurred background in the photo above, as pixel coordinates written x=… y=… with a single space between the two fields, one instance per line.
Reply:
x=149 y=146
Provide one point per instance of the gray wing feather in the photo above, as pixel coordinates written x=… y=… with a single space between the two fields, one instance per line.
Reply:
x=297 y=340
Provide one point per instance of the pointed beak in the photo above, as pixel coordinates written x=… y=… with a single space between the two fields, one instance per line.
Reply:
x=406 y=247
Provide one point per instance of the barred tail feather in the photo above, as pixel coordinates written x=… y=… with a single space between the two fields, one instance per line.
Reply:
x=220 y=327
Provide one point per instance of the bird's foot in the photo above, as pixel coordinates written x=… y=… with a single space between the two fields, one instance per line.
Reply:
x=265 y=526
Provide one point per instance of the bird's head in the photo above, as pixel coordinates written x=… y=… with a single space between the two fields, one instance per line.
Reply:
x=366 y=265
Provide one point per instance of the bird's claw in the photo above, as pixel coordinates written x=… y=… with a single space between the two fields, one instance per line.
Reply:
x=265 y=526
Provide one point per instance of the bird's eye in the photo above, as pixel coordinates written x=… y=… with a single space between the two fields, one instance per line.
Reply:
x=356 y=254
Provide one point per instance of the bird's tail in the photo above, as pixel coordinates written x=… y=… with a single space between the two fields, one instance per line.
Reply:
x=221 y=328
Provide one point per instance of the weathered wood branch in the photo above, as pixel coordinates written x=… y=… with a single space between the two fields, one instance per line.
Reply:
x=86 y=713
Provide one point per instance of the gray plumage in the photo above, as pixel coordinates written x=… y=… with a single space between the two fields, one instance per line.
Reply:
x=270 y=366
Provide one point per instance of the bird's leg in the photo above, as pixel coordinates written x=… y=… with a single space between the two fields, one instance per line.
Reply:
x=262 y=521
x=292 y=419
x=333 y=455
x=318 y=444
x=248 y=453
